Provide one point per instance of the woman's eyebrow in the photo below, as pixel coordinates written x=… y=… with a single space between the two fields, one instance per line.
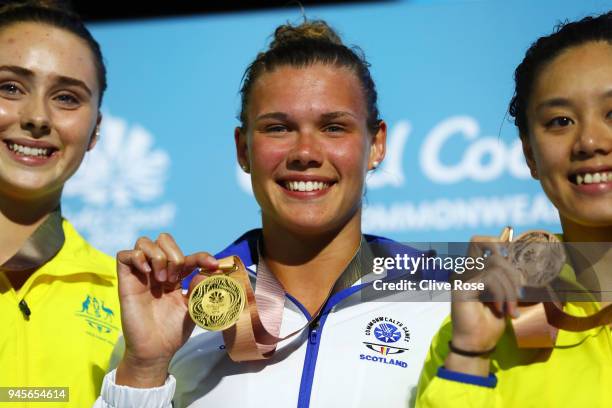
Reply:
x=324 y=116
x=17 y=70
x=61 y=79
x=554 y=103
x=564 y=102
x=337 y=115
x=273 y=115
x=69 y=81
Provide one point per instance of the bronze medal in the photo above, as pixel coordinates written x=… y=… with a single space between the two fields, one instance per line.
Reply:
x=216 y=303
x=539 y=256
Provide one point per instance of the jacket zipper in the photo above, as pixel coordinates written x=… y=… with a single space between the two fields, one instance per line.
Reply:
x=310 y=361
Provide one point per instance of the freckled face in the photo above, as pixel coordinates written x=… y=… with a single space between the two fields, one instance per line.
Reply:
x=308 y=147
x=48 y=108
x=570 y=133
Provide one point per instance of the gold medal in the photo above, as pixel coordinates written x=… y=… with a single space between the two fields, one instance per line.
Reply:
x=216 y=303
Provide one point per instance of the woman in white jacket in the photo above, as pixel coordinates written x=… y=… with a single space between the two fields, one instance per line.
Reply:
x=310 y=132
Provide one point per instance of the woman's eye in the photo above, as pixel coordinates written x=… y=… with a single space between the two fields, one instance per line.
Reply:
x=276 y=128
x=10 y=88
x=67 y=99
x=561 y=121
x=334 y=128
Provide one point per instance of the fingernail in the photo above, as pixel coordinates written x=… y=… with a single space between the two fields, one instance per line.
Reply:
x=147 y=268
x=162 y=275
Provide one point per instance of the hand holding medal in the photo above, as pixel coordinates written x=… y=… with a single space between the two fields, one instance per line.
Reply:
x=154 y=311
x=531 y=263
x=539 y=256
x=225 y=301
x=158 y=318
x=480 y=318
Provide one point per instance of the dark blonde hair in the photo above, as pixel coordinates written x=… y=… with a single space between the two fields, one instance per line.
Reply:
x=55 y=14
x=312 y=42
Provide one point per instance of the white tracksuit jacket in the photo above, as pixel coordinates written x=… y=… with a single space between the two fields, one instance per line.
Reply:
x=361 y=354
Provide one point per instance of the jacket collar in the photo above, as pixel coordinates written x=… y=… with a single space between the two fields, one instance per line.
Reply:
x=246 y=247
x=40 y=247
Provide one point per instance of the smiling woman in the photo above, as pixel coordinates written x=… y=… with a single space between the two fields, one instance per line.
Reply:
x=307 y=149
x=309 y=134
x=49 y=108
x=563 y=110
x=568 y=143
x=51 y=84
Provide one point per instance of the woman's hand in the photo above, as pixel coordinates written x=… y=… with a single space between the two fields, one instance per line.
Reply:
x=154 y=311
x=479 y=317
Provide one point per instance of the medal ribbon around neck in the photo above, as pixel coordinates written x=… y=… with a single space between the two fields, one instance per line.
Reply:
x=225 y=301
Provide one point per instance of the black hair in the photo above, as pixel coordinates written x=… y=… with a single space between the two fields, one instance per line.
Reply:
x=544 y=50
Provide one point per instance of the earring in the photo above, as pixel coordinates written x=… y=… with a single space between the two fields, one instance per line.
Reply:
x=97 y=132
x=245 y=168
x=375 y=164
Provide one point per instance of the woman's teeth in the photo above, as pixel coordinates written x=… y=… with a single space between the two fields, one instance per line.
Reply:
x=29 y=151
x=305 y=185
x=594 y=178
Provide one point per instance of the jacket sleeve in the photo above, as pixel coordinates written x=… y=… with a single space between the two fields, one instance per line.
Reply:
x=434 y=391
x=120 y=396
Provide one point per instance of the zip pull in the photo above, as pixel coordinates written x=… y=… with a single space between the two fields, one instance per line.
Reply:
x=25 y=309
x=313 y=334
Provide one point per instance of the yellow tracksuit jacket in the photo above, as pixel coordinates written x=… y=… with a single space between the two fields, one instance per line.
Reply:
x=577 y=372
x=74 y=323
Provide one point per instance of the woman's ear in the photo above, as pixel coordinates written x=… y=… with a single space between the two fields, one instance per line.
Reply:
x=242 y=151
x=529 y=157
x=378 y=147
x=93 y=139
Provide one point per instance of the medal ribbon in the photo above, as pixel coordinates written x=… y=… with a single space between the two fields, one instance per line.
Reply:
x=250 y=338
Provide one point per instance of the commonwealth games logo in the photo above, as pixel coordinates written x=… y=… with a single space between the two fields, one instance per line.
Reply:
x=387 y=332
x=387 y=336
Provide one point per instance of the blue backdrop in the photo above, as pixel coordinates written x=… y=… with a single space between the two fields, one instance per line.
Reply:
x=443 y=68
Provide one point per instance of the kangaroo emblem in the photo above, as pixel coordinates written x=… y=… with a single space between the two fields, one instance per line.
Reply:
x=109 y=312
x=86 y=302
